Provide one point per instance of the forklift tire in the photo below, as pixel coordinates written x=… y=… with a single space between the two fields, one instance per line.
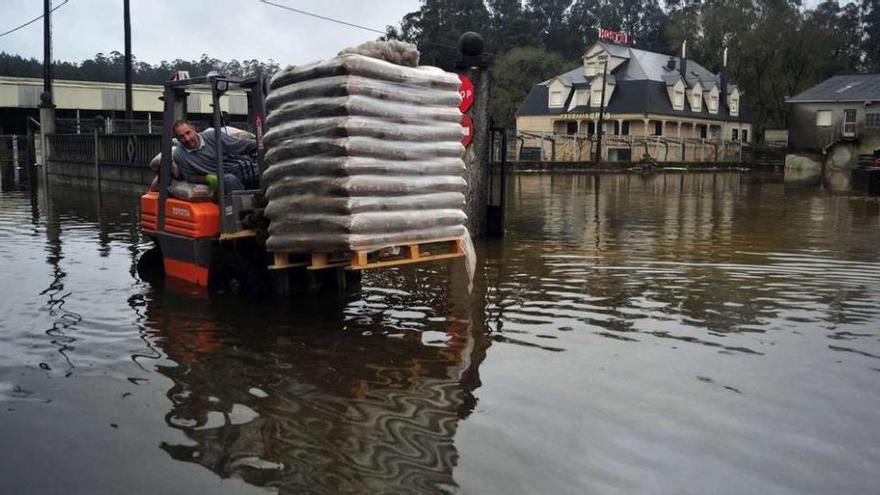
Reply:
x=240 y=276
x=151 y=266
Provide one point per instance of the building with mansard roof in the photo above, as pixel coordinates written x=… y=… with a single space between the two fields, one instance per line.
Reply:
x=646 y=94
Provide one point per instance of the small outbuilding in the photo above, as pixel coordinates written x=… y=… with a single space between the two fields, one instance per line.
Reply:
x=840 y=109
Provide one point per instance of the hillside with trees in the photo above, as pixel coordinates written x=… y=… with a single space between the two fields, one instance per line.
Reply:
x=777 y=48
x=111 y=68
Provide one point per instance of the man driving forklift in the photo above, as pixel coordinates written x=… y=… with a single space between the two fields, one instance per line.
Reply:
x=197 y=157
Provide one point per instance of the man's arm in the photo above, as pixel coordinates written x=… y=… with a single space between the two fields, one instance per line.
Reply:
x=234 y=146
x=185 y=168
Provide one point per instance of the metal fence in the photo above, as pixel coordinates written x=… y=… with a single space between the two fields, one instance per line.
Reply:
x=112 y=149
x=15 y=162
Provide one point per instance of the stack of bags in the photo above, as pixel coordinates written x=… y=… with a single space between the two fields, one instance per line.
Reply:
x=363 y=152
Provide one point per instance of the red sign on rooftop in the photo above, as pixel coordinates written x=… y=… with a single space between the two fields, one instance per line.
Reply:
x=609 y=35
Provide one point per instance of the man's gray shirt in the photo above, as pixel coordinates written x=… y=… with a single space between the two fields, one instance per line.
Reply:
x=203 y=160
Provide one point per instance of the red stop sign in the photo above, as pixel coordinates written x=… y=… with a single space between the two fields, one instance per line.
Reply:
x=468 y=124
x=466 y=92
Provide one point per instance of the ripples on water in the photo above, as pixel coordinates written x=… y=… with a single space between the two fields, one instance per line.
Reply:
x=703 y=333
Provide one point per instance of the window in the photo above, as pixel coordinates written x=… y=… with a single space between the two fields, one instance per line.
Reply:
x=872 y=120
x=597 y=98
x=734 y=134
x=658 y=128
x=734 y=105
x=703 y=131
x=849 y=122
x=556 y=98
x=624 y=129
x=571 y=127
x=745 y=135
x=823 y=118
x=713 y=103
x=582 y=97
x=696 y=102
x=591 y=68
x=678 y=100
x=617 y=128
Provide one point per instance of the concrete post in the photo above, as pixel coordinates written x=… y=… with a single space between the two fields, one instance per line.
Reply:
x=47 y=126
x=97 y=161
x=475 y=65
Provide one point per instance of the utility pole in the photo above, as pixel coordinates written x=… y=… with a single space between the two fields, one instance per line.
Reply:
x=47 y=53
x=47 y=106
x=129 y=113
x=601 y=115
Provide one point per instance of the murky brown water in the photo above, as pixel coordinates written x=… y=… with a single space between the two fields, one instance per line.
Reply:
x=711 y=333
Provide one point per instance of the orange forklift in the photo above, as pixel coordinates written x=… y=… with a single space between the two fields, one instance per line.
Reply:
x=205 y=242
x=221 y=244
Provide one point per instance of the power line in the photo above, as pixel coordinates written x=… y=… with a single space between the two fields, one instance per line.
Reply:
x=28 y=23
x=345 y=23
x=310 y=14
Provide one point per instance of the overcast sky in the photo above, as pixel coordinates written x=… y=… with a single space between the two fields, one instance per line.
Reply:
x=224 y=29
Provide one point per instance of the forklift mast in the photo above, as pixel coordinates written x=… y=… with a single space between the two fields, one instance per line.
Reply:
x=175 y=109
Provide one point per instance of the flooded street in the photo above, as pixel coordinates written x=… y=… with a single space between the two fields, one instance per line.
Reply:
x=699 y=333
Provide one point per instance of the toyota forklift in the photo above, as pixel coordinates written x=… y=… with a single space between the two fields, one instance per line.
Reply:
x=221 y=244
x=208 y=243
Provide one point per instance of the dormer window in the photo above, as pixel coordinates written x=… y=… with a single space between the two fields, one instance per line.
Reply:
x=696 y=100
x=597 y=97
x=733 y=104
x=556 y=98
x=591 y=68
x=713 y=103
x=678 y=99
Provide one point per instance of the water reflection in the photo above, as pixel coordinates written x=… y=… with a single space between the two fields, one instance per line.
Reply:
x=695 y=258
x=684 y=328
x=358 y=396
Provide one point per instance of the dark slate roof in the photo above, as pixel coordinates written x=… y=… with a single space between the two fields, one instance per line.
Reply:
x=642 y=64
x=629 y=97
x=641 y=82
x=855 y=87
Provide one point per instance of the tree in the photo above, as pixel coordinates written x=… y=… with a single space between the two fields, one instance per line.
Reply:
x=642 y=19
x=436 y=27
x=515 y=72
x=552 y=24
x=510 y=26
x=111 y=68
x=870 y=13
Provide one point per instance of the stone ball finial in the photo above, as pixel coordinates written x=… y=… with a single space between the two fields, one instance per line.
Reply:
x=470 y=44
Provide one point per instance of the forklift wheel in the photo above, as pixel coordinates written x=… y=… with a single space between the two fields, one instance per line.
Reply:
x=150 y=266
x=241 y=276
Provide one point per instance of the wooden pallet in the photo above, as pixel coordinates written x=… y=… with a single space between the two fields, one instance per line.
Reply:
x=379 y=256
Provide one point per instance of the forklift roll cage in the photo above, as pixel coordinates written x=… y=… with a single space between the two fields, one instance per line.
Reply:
x=230 y=206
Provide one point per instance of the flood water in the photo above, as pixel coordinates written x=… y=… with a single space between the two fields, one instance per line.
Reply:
x=701 y=333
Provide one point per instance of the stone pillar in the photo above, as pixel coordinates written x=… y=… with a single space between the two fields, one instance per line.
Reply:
x=475 y=65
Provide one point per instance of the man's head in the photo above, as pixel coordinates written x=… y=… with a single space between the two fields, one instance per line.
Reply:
x=186 y=134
